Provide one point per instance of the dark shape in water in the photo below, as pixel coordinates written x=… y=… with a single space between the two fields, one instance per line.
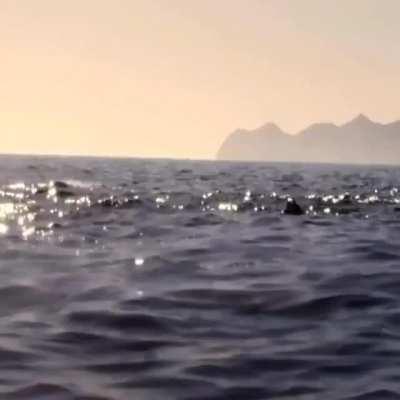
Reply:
x=60 y=185
x=292 y=208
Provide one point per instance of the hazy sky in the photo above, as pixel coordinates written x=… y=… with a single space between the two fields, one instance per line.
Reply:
x=172 y=78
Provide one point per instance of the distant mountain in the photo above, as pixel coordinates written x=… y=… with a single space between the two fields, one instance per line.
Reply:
x=360 y=141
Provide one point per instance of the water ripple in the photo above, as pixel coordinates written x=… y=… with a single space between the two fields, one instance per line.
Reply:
x=175 y=280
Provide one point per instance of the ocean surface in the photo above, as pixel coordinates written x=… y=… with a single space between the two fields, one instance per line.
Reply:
x=158 y=280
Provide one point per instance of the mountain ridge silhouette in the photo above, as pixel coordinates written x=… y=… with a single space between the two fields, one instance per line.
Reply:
x=359 y=141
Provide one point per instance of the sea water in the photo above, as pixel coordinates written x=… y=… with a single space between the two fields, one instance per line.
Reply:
x=158 y=279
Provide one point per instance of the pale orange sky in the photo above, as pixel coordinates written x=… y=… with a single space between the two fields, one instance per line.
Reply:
x=171 y=78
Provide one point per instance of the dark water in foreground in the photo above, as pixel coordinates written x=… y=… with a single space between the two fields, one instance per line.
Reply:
x=183 y=280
